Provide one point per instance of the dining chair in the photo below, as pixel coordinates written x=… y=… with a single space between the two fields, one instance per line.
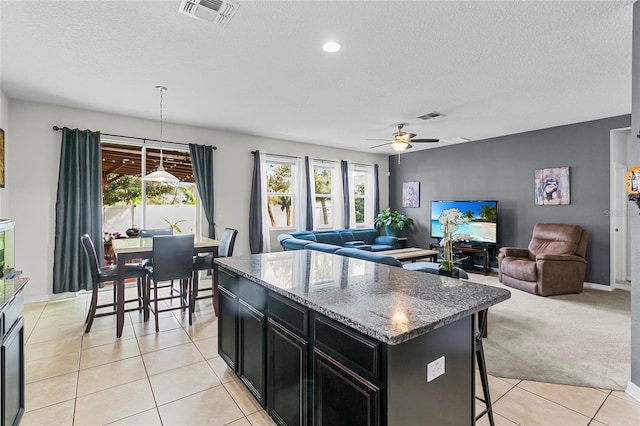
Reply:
x=104 y=274
x=172 y=260
x=204 y=262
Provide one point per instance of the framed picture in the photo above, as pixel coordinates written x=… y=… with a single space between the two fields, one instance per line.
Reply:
x=552 y=186
x=411 y=194
x=1 y=158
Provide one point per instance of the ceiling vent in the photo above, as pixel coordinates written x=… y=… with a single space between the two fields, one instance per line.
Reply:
x=431 y=115
x=217 y=11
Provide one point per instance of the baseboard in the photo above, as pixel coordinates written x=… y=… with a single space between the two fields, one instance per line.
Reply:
x=633 y=391
x=595 y=286
x=622 y=286
x=49 y=298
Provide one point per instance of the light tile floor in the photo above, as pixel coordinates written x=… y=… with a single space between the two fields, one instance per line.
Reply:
x=94 y=379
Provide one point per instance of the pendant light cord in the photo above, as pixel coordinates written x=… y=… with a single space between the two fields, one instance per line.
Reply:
x=162 y=90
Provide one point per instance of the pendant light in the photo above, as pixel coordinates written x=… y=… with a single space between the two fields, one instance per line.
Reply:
x=161 y=175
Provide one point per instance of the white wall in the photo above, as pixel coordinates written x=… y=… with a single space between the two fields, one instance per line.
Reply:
x=35 y=155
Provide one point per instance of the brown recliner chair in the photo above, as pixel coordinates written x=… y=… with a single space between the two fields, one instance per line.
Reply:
x=554 y=262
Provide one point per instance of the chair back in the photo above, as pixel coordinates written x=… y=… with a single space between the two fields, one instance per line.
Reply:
x=92 y=256
x=227 y=241
x=172 y=257
x=153 y=232
x=554 y=238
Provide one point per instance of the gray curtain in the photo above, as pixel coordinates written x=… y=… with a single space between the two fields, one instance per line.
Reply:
x=309 y=182
x=376 y=191
x=202 y=162
x=255 y=207
x=345 y=191
x=78 y=209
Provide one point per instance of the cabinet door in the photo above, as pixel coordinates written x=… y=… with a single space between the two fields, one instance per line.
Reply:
x=251 y=342
x=287 y=369
x=342 y=397
x=228 y=327
x=12 y=354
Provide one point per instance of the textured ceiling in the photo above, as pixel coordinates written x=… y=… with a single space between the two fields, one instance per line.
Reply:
x=494 y=67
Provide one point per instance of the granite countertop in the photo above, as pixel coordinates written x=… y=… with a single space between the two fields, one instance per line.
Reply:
x=388 y=303
x=9 y=289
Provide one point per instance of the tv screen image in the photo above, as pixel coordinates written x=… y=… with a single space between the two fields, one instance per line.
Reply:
x=483 y=219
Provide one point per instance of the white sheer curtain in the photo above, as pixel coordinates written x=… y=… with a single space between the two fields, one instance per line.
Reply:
x=369 y=211
x=266 y=223
x=352 y=190
x=300 y=194
x=337 y=204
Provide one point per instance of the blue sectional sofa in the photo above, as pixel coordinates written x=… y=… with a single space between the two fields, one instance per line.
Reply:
x=363 y=239
x=302 y=241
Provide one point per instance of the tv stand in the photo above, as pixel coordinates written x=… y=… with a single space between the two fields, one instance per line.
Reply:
x=468 y=249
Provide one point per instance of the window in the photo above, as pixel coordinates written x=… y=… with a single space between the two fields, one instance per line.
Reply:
x=129 y=201
x=280 y=185
x=323 y=177
x=360 y=177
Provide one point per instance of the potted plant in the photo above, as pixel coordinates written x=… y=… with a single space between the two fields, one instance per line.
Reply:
x=392 y=221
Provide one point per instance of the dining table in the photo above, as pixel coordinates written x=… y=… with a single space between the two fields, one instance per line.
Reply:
x=127 y=249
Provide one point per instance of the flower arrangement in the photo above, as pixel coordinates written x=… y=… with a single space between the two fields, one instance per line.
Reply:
x=109 y=236
x=449 y=220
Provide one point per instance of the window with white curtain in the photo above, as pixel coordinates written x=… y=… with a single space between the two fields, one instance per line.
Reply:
x=324 y=175
x=280 y=183
x=359 y=178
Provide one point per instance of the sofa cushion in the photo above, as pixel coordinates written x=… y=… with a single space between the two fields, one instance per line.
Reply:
x=366 y=235
x=346 y=235
x=294 y=243
x=326 y=248
x=329 y=237
x=367 y=255
x=520 y=268
x=304 y=235
x=380 y=247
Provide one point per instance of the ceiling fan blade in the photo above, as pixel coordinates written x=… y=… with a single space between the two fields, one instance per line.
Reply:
x=409 y=146
x=425 y=140
x=382 y=144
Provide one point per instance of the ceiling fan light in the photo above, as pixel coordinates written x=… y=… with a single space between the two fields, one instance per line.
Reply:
x=399 y=146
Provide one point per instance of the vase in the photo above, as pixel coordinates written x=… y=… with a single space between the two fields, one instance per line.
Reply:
x=453 y=273
x=388 y=230
x=108 y=253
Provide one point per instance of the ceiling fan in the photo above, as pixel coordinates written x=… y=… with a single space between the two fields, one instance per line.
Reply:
x=400 y=140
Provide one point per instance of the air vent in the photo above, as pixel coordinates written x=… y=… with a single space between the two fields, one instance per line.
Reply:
x=217 y=11
x=431 y=115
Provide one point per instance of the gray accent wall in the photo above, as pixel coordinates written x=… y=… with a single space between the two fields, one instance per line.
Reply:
x=503 y=169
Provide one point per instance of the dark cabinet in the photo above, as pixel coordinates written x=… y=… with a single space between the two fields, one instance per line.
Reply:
x=251 y=349
x=12 y=354
x=227 y=327
x=342 y=397
x=12 y=399
x=287 y=372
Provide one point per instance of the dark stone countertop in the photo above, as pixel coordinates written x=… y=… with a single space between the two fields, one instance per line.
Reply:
x=9 y=289
x=388 y=303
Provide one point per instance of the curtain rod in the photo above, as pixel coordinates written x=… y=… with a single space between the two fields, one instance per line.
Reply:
x=316 y=159
x=277 y=155
x=56 y=128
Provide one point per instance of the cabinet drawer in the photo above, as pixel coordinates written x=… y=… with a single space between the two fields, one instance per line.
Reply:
x=254 y=294
x=228 y=280
x=289 y=313
x=337 y=339
x=12 y=313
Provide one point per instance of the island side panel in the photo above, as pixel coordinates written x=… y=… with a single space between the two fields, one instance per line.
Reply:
x=446 y=400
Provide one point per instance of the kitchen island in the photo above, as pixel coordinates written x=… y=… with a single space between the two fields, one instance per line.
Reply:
x=323 y=339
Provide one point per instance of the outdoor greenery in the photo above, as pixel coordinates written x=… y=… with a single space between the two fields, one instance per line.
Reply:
x=392 y=219
x=279 y=181
x=128 y=190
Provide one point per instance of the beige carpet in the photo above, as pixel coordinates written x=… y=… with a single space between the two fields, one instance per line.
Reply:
x=575 y=339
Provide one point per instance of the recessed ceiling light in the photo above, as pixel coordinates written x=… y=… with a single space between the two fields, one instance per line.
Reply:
x=331 y=47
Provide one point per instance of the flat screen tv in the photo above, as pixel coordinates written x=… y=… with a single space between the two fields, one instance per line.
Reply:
x=483 y=219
